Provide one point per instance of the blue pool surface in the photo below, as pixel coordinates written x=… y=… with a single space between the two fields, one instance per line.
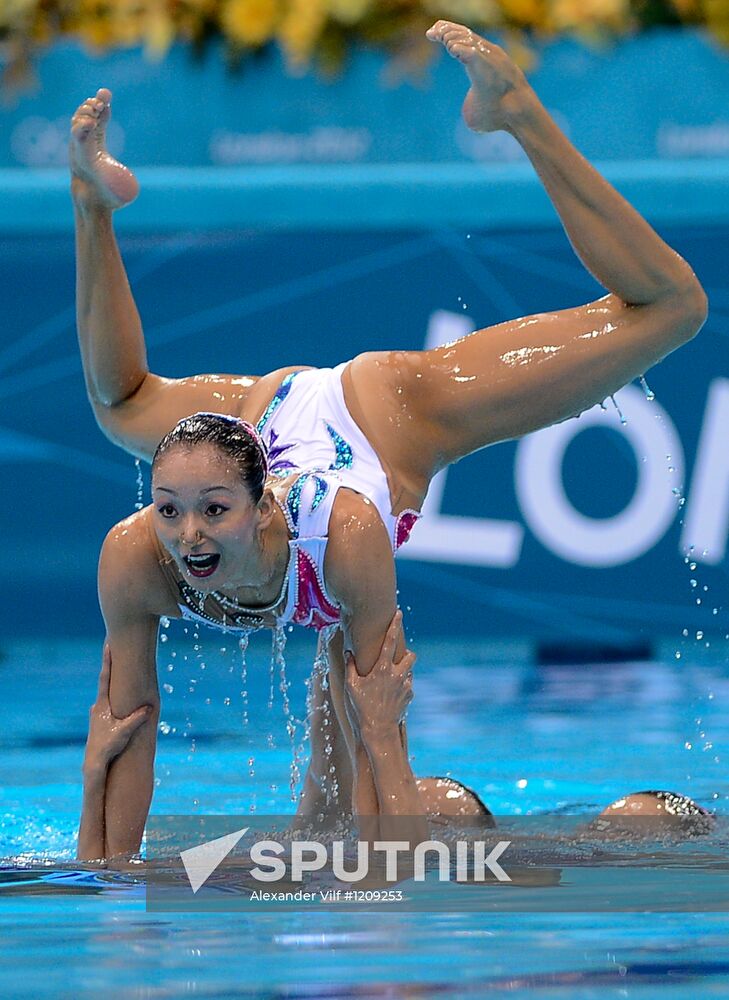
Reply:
x=532 y=740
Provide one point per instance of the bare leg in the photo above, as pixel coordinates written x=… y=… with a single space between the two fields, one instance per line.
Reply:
x=423 y=410
x=133 y=407
x=109 y=328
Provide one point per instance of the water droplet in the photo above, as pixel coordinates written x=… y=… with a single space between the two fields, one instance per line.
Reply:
x=140 y=485
x=619 y=411
x=677 y=654
x=699 y=634
x=168 y=688
x=164 y=727
x=649 y=394
x=688 y=746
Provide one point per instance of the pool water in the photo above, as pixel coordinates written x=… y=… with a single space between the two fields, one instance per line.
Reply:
x=532 y=740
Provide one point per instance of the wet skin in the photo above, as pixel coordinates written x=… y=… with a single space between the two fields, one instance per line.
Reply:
x=420 y=410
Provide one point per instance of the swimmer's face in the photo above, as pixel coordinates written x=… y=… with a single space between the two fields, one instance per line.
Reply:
x=205 y=516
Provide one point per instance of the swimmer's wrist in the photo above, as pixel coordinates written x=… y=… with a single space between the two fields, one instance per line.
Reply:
x=94 y=770
x=379 y=733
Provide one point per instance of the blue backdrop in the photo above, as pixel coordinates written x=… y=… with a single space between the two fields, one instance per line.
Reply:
x=303 y=222
x=580 y=535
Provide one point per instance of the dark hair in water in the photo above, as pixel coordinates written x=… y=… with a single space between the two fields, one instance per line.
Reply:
x=458 y=785
x=236 y=438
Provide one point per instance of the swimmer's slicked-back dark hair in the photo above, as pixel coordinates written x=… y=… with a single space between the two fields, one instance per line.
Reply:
x=676 y=804
x=236 y=438
x=458 y=785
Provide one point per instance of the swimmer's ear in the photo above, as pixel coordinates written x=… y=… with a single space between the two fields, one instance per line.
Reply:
x=266 y=509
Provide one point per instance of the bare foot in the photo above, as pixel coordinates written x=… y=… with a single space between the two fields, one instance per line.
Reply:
x=494 y=77
x=98 y=179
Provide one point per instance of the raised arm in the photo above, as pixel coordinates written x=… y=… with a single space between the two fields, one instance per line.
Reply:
x=126 y=573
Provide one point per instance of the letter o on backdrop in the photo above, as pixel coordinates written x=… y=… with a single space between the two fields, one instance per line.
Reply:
x=611 y=541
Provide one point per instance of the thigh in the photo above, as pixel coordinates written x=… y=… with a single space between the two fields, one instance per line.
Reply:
x=383 y=392
x=425 y=409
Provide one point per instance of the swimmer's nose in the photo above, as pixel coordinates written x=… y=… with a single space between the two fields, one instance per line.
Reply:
x=190 y=534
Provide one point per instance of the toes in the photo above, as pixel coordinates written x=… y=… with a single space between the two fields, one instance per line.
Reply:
x=81 y=128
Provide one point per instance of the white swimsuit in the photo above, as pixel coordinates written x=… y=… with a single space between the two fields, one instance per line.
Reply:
x=308 y=429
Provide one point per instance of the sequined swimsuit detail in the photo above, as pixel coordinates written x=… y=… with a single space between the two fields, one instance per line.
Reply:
x=310 y=437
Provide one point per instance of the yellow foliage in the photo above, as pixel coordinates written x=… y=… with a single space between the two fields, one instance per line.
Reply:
x=299 y=25
x=249 y=22
x=577 y=14
x=472 y=12
x=524 y=11
x=348 y=11
x=299 y=31
x=15 y=15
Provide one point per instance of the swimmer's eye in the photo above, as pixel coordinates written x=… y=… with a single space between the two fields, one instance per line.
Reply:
x=216 y=509
x=167 y=510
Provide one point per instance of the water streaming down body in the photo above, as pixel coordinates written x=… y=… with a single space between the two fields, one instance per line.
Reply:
x=621 y=415
x=140 y=485
x=278 y=659
x=243 y=647
x=649 y=394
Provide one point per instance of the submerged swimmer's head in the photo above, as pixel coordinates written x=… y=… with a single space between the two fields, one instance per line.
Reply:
x=446 y=798
x=653 y=813
x=208 y=486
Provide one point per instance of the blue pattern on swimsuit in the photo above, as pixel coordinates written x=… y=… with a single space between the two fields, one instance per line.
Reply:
x=278 y=397
x=344 y=457
x=293 y=500
x=277 y=465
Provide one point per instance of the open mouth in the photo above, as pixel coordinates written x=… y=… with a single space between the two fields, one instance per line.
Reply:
x=202 y=565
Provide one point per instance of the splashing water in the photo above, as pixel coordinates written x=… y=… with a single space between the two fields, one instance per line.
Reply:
x=243 y=647
x=278 y=647
x=320 y=678
x=140 y=485
x=649 y=394
x=623 y=421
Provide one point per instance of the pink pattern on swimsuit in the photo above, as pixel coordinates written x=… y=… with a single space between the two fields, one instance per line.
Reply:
x=405 y=523
x=313 y=609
